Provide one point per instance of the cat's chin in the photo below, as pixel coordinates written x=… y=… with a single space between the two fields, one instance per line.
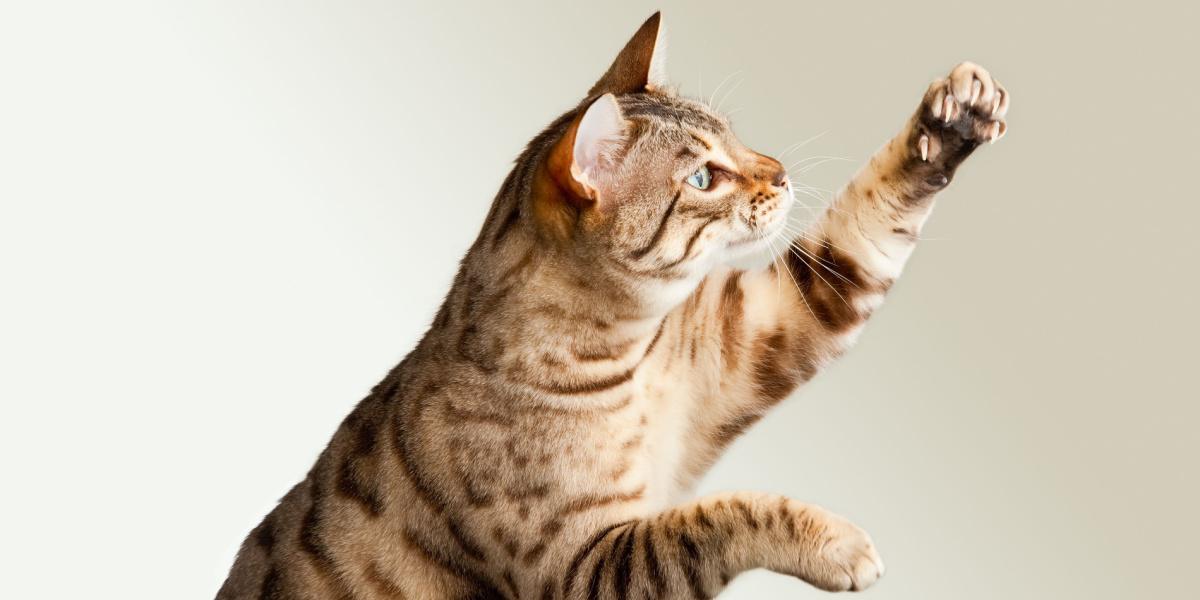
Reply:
x=754 y=249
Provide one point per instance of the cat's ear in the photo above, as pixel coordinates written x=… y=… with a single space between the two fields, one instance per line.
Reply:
x=585 y=155
x=641 y=65
x=598 y=136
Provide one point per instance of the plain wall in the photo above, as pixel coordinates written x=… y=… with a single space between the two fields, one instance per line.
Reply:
x=222 y=222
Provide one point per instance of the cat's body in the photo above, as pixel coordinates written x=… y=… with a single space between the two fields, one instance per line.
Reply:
x=592 y=360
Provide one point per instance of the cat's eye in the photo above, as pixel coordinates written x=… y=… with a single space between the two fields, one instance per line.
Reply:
x=701 y=179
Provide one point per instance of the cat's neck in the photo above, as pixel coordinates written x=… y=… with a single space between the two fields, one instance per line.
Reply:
x=597 y=304
x=553 y=313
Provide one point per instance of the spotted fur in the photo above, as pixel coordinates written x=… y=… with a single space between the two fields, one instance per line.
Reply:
x=593 y=359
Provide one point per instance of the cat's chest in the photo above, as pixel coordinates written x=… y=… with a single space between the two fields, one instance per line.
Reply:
x=636 y=450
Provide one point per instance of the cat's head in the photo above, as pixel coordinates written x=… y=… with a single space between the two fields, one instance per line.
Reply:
x=656 y=181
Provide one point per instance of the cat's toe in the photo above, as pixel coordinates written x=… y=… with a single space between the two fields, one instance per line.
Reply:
x=861 y=563
x=846 y=561
x=975 y=103
x=972 y=86
x=960 y=111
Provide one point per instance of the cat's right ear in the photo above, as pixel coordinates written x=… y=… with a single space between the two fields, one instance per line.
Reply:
x=641 y=65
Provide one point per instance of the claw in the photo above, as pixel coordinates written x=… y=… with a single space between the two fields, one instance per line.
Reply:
x=996 y=103
x=976 y=90
x=924 y=144
x=995 y=133
x=948 y=108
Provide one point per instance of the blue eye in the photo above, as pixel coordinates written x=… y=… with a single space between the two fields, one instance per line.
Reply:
x=701 y=179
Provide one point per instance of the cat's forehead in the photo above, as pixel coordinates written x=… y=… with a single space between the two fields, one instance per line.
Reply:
x=667 y=112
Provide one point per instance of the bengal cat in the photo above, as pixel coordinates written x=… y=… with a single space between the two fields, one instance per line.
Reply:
x=593 y=359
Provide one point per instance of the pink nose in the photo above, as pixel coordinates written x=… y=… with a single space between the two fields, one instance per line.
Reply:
x=772 y=170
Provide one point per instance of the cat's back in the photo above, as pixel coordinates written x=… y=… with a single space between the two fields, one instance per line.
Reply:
x=442 y=465
x=350 y=525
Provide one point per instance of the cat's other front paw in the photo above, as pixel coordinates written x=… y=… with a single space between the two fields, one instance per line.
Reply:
x=846 y=558
x=957 y=114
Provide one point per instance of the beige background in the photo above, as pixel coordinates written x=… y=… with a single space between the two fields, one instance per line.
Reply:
x=222 y=222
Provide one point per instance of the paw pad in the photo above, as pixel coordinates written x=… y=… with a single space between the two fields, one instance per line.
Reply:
x=963 y=110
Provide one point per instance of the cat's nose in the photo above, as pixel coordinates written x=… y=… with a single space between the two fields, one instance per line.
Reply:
x=772 y=170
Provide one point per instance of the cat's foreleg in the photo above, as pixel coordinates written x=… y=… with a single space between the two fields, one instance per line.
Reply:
x=846 y=263
x=692 y=551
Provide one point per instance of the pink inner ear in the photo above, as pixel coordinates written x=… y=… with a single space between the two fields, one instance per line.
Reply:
x=600 y=132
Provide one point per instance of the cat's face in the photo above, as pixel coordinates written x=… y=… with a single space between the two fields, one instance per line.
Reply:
x=664 y=185
x=686 y=193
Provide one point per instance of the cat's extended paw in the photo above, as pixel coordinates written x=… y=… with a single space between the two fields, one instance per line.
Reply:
x=957 y=114
x=845 y=560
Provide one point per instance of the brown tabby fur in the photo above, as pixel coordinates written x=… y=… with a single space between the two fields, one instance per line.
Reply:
x=593 y=359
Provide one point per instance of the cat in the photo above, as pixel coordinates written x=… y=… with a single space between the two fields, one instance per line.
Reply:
x=595 y=355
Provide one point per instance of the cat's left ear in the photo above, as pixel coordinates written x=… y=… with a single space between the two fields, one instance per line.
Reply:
x=598 y=136
x=586 y=154
x=578 y=165
x=641 y=65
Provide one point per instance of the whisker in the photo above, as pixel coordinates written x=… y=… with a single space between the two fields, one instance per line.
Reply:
x=820 y=160
x=807 y=236
x=811 y=194
x=824 y=263
x=781 y=265
x=719 y=86
x=818 y=274
x=815 y=157
x=792 y=247
x=811 y=188
x=778 y=280
x=798 y=145
x=825 y=204
x=731 y=90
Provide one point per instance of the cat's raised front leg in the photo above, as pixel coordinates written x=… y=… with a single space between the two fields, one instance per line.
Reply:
x=694 y=550
x=845 y=264
x=772 y=330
